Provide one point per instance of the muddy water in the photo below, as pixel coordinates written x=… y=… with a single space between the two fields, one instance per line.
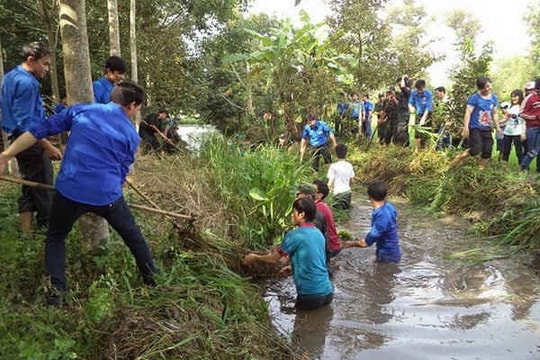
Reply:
x=426 y=307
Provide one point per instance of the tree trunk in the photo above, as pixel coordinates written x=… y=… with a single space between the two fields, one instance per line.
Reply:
x=52 y=41
x=133 y=48
x=93 y=230
x=114 y=28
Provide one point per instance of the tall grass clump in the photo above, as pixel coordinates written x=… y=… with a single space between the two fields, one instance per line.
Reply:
x=201 y=307
x=257 y=184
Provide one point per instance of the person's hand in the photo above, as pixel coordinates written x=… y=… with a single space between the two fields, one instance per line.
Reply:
x=523 y=137
x=249 y=259
x=465 y=133
x=53 y=152
x=285 y=271
x=422 y=122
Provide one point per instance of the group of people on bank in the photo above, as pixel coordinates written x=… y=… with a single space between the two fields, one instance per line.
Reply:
x=99 y=153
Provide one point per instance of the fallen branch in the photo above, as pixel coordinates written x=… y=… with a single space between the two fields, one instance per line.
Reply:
x=155 y=208
x=162 y=212
x=27 y=182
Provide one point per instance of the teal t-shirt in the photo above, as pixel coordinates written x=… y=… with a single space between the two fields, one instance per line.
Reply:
x=305 y=246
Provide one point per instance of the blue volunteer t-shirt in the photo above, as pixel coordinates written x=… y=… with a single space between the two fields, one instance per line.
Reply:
x=305 y=246
x=368 y=108
x=318 y=134
x=102 y=90
x=100 y=149
x=21 y=101
x=422 y=102
x=384 y=232
x=482 y=115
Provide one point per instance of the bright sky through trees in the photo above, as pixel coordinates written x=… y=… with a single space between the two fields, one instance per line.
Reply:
x=502 y=22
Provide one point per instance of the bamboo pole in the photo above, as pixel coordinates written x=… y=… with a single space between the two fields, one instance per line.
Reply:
x=155 y=208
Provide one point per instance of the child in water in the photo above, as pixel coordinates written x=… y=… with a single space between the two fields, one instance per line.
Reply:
x=383 y=226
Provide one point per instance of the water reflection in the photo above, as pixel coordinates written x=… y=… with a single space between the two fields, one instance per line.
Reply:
x=310 y=328
x=427 y=307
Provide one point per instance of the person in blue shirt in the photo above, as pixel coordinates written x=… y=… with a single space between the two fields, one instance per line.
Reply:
x=305 y=247
x=317 y=134
x=478 y=123
x=342 y=113
x=421 y=103
x=383 y=230
x=357 y=114
x=22 y=107
x=100 y=150
x=62 y=104
x=115 y=68
x=368 y=111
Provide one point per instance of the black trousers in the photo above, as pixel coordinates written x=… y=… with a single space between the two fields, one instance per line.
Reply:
x=64 y=214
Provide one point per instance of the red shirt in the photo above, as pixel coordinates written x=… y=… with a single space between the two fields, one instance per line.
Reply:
x=332 y=236
x=531 y=111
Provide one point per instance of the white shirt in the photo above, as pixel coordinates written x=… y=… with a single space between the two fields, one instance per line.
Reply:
x=339 y=176
x=514 y=127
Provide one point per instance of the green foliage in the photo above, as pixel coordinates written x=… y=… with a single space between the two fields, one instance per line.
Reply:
x=533 y=29
x=257 y=185
x=474 y=64
x=511 y=74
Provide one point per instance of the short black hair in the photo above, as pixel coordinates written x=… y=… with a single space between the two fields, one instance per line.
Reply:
x=35 y=49
x=377 y=190
x=311 y=116
x=115 y=63
x=440 y=89
x=163 y=111
x=341 y=151
x=481 y=82
x=322 y=188
x=127 y=92
x=420 y=83
x=306 y=206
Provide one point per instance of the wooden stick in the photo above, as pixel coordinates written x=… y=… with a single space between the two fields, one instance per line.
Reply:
x=141 y=194
x=27 y=182
x=156 y=208
x=162 y=212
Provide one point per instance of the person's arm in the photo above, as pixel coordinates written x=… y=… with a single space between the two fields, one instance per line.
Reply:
x=270 y=258
x=466 y=121
x=332 y=140
x=22 y=143
x=303 y=147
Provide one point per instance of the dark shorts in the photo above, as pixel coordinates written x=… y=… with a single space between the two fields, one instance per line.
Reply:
x=342 y=201
x=34 y=165
x=305 y=302
x=481 y=142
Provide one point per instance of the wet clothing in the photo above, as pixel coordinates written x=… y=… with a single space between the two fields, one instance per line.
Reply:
x=384 y=233
x=332 y=238
x=305 y=246
x=102 y=90
x=21 y=107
